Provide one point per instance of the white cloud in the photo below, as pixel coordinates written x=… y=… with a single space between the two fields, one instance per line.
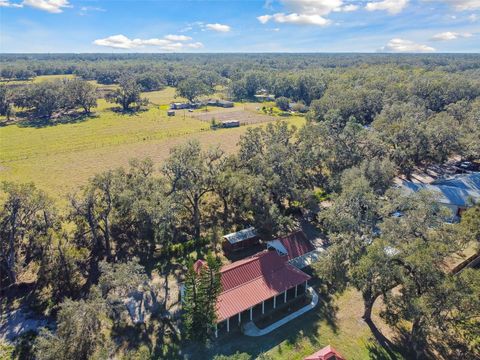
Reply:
x=165 y=44
x=391 y=6
x=312 y=7
x=462 y=5
x=178 y=37
x=349 y=8
x=218 y=27
x=294 y=18
x=473 y=17
x=402 y=45
x=51 y=6
x=307 y=12
x=84 y=10
x=5 y=3
x=449 y=35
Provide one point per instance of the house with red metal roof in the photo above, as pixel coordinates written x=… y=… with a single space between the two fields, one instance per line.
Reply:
x=257 y=284
x=299 y=251
x=327 y=353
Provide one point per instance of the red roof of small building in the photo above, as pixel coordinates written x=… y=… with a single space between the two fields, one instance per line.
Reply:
x=198 y=265
x=250 y=281
x=327 y=353
x=296 y=244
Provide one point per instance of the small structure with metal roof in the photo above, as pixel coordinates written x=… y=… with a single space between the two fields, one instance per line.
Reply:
x=240 y=240
x=327 y=353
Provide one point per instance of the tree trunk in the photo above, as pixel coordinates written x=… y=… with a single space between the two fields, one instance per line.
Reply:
x=196 y=217
x=367 y=313
x=415 y=345
x=12 y=275
x=368 y=302
x=225 y=211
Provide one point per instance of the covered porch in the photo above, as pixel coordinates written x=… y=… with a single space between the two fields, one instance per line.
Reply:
x=260 y=311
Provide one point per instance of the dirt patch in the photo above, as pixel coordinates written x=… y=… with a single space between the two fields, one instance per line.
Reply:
x=245 y=117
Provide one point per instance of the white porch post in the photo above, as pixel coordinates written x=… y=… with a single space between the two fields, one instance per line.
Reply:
x=228 y=324
x=274 y=301
x=285 y=297
x=251 y=313
x=306 y=284
x=263 y=307
x=296 y=288
x=216 y=330
x=239 y=317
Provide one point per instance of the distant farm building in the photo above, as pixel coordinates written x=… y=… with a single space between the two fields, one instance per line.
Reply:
x=264 y=97
x=171 y=113
x=230 y=123
x=327 y=353
x=221 y=103
x=179 y=106
x=240 y=240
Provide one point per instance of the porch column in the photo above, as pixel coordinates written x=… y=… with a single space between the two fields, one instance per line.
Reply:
x=274 y=301
x=239 y=317
x=251 y=313
x=216 y=330
x=296 y=288
x=285 y=297
x=306 y=284
x=228 y=324
x=263 y=307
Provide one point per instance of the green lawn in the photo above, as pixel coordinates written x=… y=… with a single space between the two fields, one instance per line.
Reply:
x=337 y=323
x=61 y=157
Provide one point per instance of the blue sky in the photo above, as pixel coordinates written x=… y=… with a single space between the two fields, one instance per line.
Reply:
x=240 y=26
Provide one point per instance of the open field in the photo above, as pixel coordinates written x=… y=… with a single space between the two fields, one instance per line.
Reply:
x=61 y=157
x=246 y=117
x=337 y=322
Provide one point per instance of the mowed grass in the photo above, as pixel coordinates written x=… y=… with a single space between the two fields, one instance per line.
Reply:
x=60 y=158
x=337 y=323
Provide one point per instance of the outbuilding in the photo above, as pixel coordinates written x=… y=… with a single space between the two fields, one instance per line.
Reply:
x=240 y=240
x=230 y=123
x=327 y=353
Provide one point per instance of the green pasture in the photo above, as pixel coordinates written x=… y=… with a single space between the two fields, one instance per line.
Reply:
x=61 y=156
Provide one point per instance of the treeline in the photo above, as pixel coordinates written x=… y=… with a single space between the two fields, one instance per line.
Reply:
x=225 y=64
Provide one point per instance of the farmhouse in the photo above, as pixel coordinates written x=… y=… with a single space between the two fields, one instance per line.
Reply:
x=253 y=286
x=456 y=193
x=240 y=240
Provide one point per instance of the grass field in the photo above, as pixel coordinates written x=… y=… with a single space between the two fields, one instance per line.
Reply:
x=61 y=157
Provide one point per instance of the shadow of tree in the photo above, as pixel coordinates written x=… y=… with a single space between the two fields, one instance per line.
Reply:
x=72 y=118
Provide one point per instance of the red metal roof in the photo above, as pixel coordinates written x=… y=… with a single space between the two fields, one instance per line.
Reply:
x=327 y=353
x=296 y=244
x=250 y=281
